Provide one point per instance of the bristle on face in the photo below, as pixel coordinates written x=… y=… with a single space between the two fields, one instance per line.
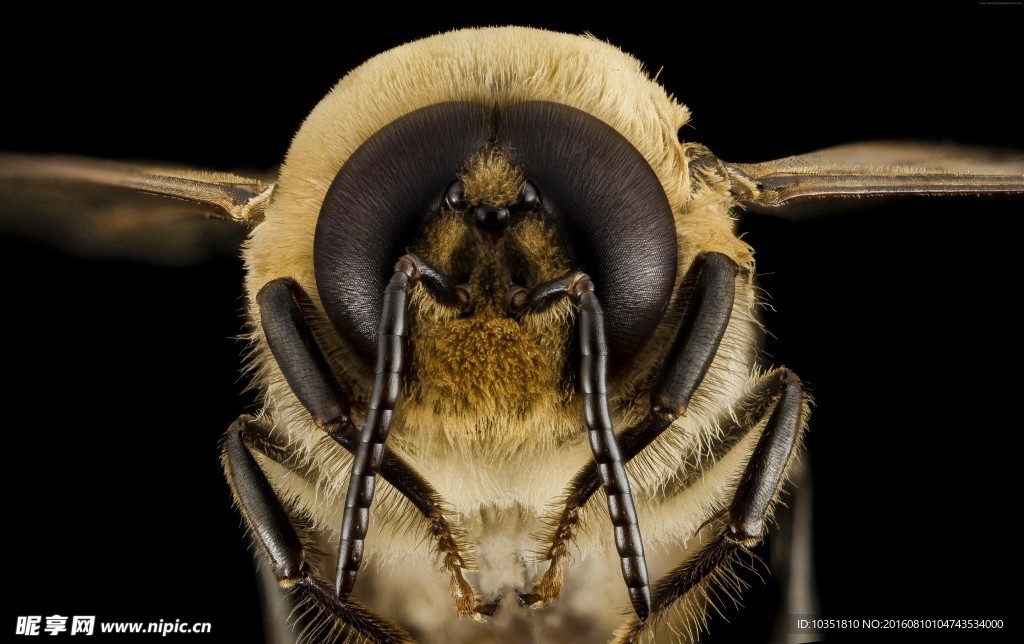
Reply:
x=490 y=177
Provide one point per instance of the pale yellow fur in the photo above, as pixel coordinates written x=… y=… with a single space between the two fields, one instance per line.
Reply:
x=503 y=495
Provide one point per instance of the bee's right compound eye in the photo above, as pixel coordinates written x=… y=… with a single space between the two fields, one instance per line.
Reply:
x=455 y=197
x=378 y=201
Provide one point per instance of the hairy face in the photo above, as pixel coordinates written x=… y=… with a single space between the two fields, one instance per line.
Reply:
x=483 y=363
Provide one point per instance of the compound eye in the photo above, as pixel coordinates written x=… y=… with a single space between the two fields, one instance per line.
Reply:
x=455 y=197
x=383 y=194
x=528 y=196
x=611 y=211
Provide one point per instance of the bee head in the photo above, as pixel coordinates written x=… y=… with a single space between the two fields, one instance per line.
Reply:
x=494 y=196
x=543 y=169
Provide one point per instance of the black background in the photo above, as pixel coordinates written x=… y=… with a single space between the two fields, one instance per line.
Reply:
x=900 y=316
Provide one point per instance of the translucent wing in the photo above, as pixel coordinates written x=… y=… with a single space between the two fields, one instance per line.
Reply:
x=106 y=209
x=876 y=169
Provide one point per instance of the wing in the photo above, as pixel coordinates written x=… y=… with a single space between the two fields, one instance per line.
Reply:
x=876 y=169
x=106 y=209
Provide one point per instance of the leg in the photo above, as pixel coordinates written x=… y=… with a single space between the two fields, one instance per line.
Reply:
x=277 y=607
x=412 y=486
x=282 y=305
x=711 y=282
x=272 y=527
x=696 y=581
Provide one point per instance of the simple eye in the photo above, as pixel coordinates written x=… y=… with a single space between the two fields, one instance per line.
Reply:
x=528 y=196
x=455 y=197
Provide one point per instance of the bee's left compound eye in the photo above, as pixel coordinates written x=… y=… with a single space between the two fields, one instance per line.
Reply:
x=609 y=207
